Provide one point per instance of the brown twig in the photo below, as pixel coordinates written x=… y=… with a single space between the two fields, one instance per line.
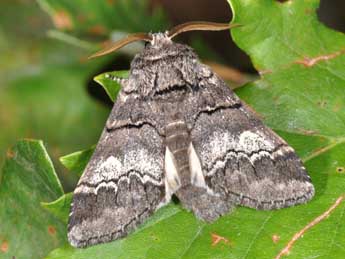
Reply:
x=300 y=233
x=227 y=73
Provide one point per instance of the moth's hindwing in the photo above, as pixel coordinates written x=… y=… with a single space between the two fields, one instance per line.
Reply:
x=122 y=185
x=246 y=161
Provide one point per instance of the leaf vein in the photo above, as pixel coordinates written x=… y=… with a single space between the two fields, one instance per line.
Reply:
x=193 y=240
x=257 y=234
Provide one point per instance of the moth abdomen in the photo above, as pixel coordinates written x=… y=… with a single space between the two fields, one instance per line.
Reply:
x=177 y=140
x=191 y=189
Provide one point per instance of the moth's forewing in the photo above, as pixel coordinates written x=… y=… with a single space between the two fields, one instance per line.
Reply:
x=122 y=185
x=246 y=161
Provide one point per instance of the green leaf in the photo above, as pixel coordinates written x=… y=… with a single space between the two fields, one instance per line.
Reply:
x=28 y=178
x=111 y=87
x=101 y=17
x=60 y=207
x=77 y=161
x=301 y=95
x=301 y=64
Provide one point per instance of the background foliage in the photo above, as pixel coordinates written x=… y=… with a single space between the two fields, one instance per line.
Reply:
x=300 y=95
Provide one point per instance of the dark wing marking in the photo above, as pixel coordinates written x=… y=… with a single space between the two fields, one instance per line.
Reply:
x=122 y=185
x=246 y=161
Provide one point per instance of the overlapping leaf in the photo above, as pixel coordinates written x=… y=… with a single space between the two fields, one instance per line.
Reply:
x=28 y=178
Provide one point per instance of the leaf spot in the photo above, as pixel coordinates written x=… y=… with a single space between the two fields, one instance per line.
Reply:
x=51 y=230
x=155 y=238
x=62 y=20
x=110 y=2
x=4 y=246
x=216 y=239
x=340 y=169
x=10 y=153
x=275 y=238
x=308 y=132
x=82 y=18
x=309 y=11
x=309 y=62
x=337 y=107
x=98 y=30
x=322 y=104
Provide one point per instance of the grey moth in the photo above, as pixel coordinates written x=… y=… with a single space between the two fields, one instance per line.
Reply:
x=176 y=128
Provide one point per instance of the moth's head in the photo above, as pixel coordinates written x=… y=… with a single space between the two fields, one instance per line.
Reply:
x=159 y=41
x=155 y=64
x=161 y=47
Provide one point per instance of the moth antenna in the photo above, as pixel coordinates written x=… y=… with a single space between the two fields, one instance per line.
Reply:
x=121 y=43
x=200 y=26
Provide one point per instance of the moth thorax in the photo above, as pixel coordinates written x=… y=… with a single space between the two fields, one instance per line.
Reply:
x=159 y=39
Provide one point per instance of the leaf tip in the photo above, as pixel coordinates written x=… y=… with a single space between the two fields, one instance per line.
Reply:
x=99 y=77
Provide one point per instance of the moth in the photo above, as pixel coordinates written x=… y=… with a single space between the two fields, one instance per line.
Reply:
x=177 y=128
